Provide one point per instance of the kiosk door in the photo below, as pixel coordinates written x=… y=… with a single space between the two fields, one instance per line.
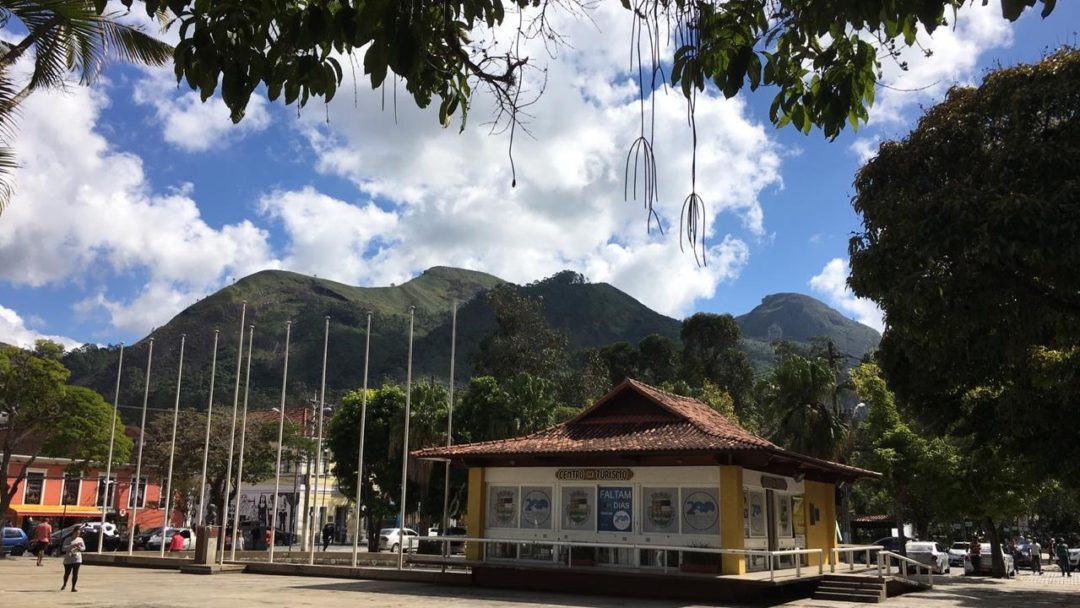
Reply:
x=770 y=518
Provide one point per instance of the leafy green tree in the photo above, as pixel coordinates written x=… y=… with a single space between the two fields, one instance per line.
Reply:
x=711 y=353
x=800 y=410
x=523 y=342
x=46 y=418
x=66 y=37
x=918 y=477
x=383 y=443
x=823 y=59
x=260 y=449
x=658 y=359
x=978 y=276
x=621 y=360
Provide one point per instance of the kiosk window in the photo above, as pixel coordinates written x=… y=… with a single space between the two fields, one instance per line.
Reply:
x=660 y=510
x=700 y=511
x=615 y=509
x=502 y=507
x=578 y=508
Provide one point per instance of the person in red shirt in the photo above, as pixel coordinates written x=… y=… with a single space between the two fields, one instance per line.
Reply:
x=42 y=532
x=268 y=538
x=177 y=542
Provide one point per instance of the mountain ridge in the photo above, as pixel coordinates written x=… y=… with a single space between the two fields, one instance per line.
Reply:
x=591 y=314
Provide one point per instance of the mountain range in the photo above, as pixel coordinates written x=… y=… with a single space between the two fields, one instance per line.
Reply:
x=591 y=314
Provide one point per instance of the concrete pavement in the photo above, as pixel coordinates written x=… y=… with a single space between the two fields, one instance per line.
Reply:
x=21 y=583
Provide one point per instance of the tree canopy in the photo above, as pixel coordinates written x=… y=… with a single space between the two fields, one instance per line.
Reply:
x=823 y=57
x=44 y=417
x=969 y=247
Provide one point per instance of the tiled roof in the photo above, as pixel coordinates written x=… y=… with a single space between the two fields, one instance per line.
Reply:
x=635 y=418
x=678 y=424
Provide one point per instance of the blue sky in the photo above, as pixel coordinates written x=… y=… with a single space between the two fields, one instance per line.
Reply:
x=134 y=199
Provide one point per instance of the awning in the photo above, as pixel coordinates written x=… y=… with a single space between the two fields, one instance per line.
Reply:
x=55 y=511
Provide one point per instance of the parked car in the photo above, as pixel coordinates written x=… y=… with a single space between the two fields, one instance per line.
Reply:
x=436 y=547
x=986 y=563
x=61 y=539
x=957 y=552
x=1074 y=558
x=391 y=538
x=1022 y=555
x=154 y=542
x=932 y=554
x=284 y=537
x=141 y=538
x=889 y=543
x=15 y=541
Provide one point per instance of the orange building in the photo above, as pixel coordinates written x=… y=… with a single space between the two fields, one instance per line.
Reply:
x=52 y=490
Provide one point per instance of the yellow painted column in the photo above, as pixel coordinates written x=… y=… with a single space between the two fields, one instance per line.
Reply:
x=731 y=518
x=474 y=514
x=820 y=508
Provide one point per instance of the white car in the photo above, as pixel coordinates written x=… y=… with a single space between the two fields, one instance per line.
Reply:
x=931 y=554
x=391 y=538
x=986 y=562
x=154 y=542
x=957 y=552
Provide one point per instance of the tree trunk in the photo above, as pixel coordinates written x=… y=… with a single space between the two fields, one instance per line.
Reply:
x=998 y=561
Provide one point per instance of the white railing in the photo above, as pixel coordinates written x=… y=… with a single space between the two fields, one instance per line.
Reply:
x=884 y=567
x=556 y=559
x=850 y=551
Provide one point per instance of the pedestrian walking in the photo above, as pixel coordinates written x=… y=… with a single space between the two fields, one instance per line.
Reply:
x=1062 y=552
x=327 y=535
x=42 y=533
x=268 y=538
x=975 y=552
x=73 y=559
x=1036 y=556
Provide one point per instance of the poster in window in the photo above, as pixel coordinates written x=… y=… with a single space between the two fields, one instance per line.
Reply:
x=798 y=515
x=661 y=510
x=536 y=508
x=578 y=511
x=502 y=507
x=700 y=511
x=784 y=518
x=757 y=514
x=614 y=509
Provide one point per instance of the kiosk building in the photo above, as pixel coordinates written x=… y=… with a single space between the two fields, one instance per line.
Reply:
x=645 y=468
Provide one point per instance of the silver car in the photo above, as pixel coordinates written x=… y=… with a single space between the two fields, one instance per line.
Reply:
x=986 y=562
x=394 y=538
x=932 y=554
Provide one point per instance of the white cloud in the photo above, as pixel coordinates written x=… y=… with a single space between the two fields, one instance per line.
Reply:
x=191 y=124
x=978 y=28
x=451 y=200
x=85 y=213
x=14 y=331
x=832 y=283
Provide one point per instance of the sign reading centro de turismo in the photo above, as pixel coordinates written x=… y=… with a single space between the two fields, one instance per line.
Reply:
x=594 y=474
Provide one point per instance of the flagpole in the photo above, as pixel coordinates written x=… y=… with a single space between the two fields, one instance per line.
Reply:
x=112 y=442
x=318 y=445
x=449 y=424
x=172 y=449
x=280 y=435
x=232 y=435
x=243 y=436
x=360 y=458
x=405 y=448
x=133 y=517
x=206 y=441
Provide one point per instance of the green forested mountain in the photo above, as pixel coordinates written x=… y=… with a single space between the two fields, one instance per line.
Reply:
x=795 y=317
x=591 y=314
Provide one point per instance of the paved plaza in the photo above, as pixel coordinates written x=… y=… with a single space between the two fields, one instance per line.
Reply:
x=23 y=584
